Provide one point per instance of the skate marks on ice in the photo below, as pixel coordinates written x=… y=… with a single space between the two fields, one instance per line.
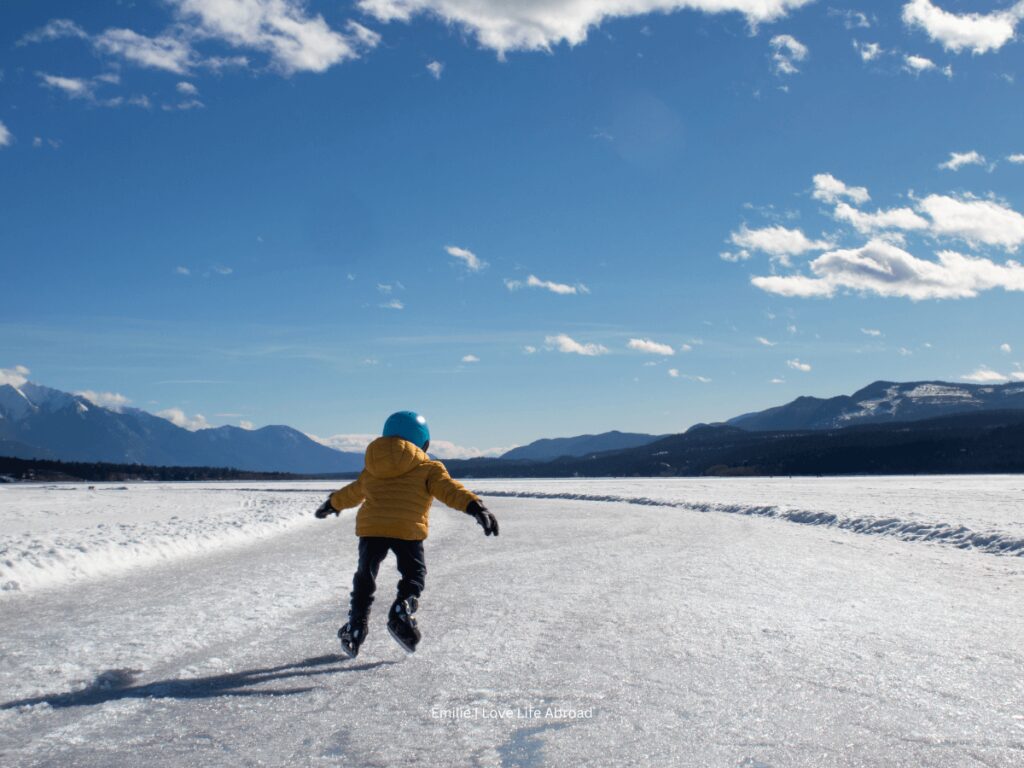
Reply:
x=960 y=536
x=525 y=747
x=119 y=684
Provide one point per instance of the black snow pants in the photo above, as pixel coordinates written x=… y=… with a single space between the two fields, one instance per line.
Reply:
x=373 y=550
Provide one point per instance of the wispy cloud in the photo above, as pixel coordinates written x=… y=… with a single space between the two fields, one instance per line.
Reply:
x=54 y=30
x=651 y=347
x=985 y=375
x=73 y=87
x=15 y=376
x=796 y=365
x=179 y=418
x=6 y=137
x=393 y=304
x=568 y=345
x=471 y=261
x=829 y=189
x=871 y=332
x=435 y=68
x=958 y=160
x=112 y=401
x=470 y=359
x=777 y=241
x=765 y=342
x=787 y=52
x=533 y=281
x=868 y=51
x=167 y=53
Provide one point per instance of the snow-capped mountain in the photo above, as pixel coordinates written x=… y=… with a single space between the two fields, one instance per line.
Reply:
x=886 y=401
x=45 y=423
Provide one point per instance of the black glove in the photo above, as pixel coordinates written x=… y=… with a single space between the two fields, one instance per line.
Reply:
x=325 y=509
x=488 y=521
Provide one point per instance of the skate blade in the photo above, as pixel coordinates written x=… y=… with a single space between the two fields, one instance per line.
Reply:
x=347 y=652
x=401 y=642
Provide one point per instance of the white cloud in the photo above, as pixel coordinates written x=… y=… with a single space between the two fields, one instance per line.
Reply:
x=470 y=359
x=871 y=332
x=568 y=345
x=777 y=381
x=892 y=218
x=443 y=449
x=55 y=29
x=248 y=426
x=15 y=376
x=294 y=40
x=1006 y=349
x=777 y=241
x=675 y=374
x=393 y=304
x=740 y=255
x=535 y=282
x=355 y=443
x=6 y=137
x=164 y=52
x=186 y=88
x=884 y=269
x=178 y=417
x=435 y=68
x=111 y=400
x=958 y=160
x=650 y=347
x=977 y=32
x=917 y=64
x=985 y=375
x=765 y=342
x=1016 y=159
x=787 y=52
x=74 y=87
x=467 y=257
x=529 y=349
x=796 y=365
x=974 y=221
x=539 y=24
x=852 y=19
x=868 y=51
x=183 y=271
x=222 y=270
x=829 y=189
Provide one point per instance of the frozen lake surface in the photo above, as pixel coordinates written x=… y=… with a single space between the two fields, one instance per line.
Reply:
x=703 y=622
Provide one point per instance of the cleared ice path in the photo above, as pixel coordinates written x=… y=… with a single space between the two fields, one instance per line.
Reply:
x=692 y=639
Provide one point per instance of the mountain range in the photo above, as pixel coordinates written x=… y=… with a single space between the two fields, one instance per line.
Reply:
x=44 y=423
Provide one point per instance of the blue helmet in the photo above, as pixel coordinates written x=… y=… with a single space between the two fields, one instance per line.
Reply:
x=410 y=426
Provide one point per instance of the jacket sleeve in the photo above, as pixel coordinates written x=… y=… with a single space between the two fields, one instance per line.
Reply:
x=448 y=491
x=349 y=496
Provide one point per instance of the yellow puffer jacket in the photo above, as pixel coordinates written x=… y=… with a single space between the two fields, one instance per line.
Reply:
x=397 y=488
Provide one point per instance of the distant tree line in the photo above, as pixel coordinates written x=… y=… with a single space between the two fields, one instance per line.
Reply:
x=12 y=469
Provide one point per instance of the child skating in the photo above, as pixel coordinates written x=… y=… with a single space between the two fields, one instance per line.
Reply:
x=396 y=489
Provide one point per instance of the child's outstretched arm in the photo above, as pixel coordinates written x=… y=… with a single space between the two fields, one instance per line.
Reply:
x=343 y=498
x=454 y=494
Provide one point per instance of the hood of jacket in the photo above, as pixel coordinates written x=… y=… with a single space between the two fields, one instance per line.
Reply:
x=388 y=457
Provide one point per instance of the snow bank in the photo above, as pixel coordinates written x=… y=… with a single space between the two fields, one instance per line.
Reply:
x=995 y=542
x=97 y=533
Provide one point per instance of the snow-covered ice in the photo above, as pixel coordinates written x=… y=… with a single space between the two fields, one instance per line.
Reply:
x=613 y=622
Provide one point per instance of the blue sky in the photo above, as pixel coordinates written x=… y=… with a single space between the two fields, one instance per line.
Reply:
x=521 y=219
